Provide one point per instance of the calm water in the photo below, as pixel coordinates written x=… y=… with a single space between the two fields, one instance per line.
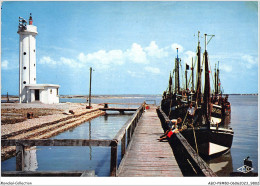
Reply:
x=244 y=121
x=149 y=99
x=76 y=158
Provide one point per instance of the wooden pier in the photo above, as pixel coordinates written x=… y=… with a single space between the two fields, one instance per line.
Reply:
x=146 y=156
x=141 y=152
x=121 y=110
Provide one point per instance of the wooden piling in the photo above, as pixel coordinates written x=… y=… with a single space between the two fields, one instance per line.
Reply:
x=128 y=135
x=123 y=148
x=19 y=158
x=113 y=160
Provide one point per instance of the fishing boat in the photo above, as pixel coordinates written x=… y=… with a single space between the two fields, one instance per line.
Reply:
x=203 y=132
x=221 y=107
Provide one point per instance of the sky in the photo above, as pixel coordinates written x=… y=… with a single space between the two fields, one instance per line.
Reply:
x=130 y=45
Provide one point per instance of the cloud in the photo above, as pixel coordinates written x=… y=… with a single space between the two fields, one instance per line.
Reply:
x=226 y=68
x=47 y=60
x=82 y=57
x=116 y=57
x=102 y=57
x=4 y=65
x=135 y=74
x=70 y=62
x=250 y=61
x=176 y=45
x=187 y=58
x=153 y=70
x=154 y=51
x=136 y=54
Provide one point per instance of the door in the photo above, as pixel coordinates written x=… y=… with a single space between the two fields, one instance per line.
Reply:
x=37 y=95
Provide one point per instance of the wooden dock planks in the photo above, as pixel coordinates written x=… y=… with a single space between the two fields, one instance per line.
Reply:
x=146 y=156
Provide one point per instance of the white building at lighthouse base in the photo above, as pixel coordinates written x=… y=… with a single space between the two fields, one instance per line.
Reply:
x=45 y=93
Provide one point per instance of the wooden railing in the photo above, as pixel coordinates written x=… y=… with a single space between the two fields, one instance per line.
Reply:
x=22 y=143
x=124 y=135
x=126 y=131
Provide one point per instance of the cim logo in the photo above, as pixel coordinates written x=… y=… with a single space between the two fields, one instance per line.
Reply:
x=245 y=169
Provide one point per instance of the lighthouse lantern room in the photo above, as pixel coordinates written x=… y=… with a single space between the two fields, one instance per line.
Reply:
x=29 y=91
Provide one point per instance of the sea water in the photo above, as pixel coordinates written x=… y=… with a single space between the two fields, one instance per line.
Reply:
x=244 y=122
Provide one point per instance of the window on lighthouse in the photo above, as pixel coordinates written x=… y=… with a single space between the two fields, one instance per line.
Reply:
x=24 y=53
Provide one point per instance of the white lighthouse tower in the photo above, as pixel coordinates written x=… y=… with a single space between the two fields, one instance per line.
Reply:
x=29 y=91
x=27 y=56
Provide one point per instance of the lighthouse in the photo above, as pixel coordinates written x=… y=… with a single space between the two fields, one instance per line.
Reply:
x=29 y=91
x=27 y=56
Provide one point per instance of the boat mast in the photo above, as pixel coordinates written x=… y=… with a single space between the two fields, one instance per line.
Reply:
x=192 y=75
x=186 y=81
x=206 y=96
x=170 y=85
x=217 y=79
x=177 y=79
x=198 y=88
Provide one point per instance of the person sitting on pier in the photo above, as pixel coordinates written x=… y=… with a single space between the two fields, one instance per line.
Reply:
x=191 y=112
x=174 y=123
x=173 y=126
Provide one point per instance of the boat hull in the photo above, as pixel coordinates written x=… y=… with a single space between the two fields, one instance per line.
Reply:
x=210 y=143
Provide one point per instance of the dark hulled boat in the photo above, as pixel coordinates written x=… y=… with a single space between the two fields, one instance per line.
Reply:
x=207 y=139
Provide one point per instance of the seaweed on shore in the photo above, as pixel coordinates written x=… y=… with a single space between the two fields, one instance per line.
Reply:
x=11 y=115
